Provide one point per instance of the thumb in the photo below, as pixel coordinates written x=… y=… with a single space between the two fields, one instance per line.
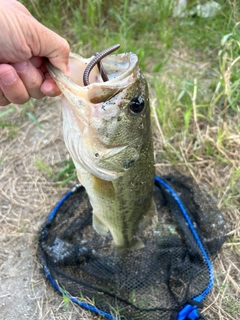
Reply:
x=53 y=47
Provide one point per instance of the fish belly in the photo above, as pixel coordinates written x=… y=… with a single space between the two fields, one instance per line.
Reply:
x=122 y=205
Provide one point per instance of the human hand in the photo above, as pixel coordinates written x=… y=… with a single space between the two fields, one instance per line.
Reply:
x=24 y=42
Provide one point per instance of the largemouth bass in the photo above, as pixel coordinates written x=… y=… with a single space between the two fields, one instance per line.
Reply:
x=107 y=130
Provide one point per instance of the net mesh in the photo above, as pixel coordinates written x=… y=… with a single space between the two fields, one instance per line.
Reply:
x=154 y=282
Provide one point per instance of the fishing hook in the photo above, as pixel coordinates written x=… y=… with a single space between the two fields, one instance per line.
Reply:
x=97 y=60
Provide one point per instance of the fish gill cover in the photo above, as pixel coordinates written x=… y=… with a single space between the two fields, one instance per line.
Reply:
x=166 y=279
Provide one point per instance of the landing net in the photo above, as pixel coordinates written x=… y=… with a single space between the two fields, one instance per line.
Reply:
x=167 y=279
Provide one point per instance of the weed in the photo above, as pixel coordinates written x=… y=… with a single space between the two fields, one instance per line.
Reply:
x=66 y=299
x=3 y=114
x=229 y=67
x=7 y=111
x=66 y=173
x=34 y=119
x=66 y=302
x=44 y=167
x=61 y=172
x=12 y=132
x=28 y=111
x=232 y=306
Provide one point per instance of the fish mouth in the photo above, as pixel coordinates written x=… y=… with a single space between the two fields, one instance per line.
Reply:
x=78 y=103
x=118 y=68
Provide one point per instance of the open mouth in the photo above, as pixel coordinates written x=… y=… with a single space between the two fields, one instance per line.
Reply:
x=116 y=68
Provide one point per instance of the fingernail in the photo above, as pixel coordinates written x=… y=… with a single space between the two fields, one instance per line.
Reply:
x=8 y=77
x=21 y=66
x=47 y=87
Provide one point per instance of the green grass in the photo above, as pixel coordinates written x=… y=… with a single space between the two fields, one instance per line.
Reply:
x=10 y=113
x=145 y=28
x=61 y=172
x=4 y=123
x=66 y=172
x=44 y=168
x=66 y=302
x=28 y=112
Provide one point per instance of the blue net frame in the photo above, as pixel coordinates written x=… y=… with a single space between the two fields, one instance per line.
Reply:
x=189 y=310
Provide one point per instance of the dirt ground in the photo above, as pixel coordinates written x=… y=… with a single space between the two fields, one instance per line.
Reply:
x=27 y=196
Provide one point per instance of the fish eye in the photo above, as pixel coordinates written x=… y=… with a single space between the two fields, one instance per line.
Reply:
x=136 y=105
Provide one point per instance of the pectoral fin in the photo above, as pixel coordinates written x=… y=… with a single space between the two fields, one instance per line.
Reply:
x=79 y=177
x=99 y=226
x=103 y=188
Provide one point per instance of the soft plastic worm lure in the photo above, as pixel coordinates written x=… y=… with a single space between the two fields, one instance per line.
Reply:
x=97 y=60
